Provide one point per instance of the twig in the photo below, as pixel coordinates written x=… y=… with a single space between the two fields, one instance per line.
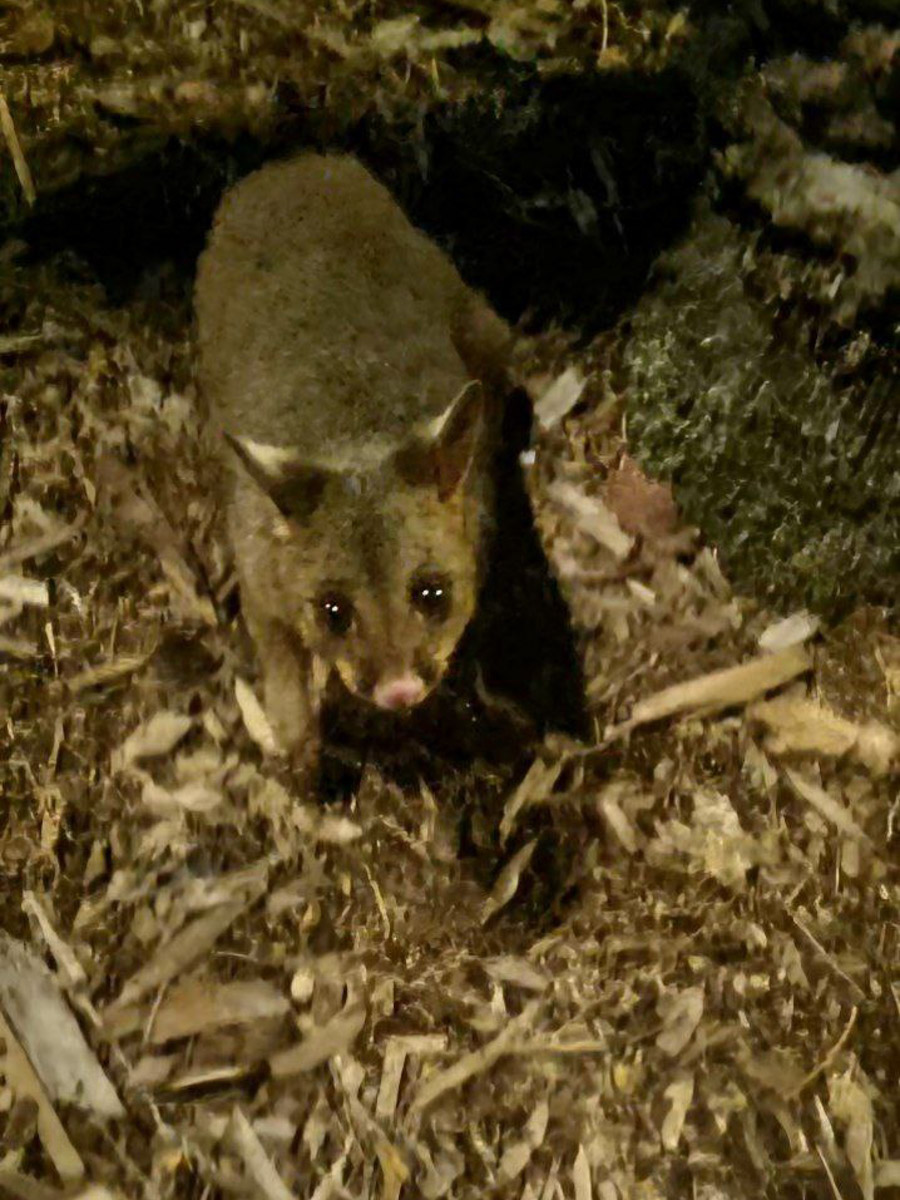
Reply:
x=16 y=152
x=838 y=1195
x=828 y=1059
x=707 y=694
x=817 y=945
x=259 y=1166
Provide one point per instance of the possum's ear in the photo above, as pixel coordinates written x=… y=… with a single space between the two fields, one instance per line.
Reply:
x=295 y=486
x=440 y=455
x=483 y=341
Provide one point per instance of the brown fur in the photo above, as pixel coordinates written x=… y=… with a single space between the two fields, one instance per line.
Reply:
x=358 y=381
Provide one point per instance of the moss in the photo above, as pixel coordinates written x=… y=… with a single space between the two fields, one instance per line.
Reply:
x=786 y=466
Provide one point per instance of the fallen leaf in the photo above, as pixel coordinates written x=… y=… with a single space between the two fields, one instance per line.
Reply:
x=507 y=882
x=558 y=400
x=643 y=507
x=153 y=739
x=255 y=720
x=334 y=1037
x=681 y=1013
x=581 y=1176
x=433 y=1086
x=679 y=1094
x=830 y=808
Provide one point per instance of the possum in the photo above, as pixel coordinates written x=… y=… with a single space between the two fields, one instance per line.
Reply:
x=354 y=384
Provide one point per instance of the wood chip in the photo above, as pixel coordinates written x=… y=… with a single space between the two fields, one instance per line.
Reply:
x=19 y=590
x=799 y=627
x=25 y=1084
x=507 y=968
x=49 y=1035
x=799 y=725
x=724 y=689
x=681 y=1013
x=475 y=1063
x=679 y=1095
x=184 y=949
x=581 y=1176
x=395 y=1056
x=70 y=968
x=18 y=648
x=334 y=1037
x=202 y=1004
x=106 y=673
x=23 y=1187
x=259 y=1166
x=831 y=809
x=517 y=1156
x=593 y=517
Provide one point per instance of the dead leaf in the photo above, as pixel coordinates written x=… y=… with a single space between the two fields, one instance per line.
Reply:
x=185 y=948
x=433 y=1086
x=558 y=400
x=334 y=1037
x=643 y=507
x=681 y=1013
x=507 y=882
x=830 y=808
x=255 y=720
x=679 y=1094
x=157 y=737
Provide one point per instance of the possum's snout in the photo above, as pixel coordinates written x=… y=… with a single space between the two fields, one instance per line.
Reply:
x=404 y=691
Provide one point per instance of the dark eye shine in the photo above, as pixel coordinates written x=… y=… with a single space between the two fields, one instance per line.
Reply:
x=431 y=595
x=335 y=613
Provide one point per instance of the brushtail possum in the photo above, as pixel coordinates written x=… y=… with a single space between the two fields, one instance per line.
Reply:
x=355 y=385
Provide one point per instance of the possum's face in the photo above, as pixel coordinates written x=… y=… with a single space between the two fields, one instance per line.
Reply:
x=377 y=569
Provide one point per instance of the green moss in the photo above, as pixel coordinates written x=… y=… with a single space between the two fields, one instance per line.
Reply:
x=789 y=472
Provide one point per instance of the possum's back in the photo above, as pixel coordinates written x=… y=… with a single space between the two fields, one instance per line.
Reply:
x=324 y=317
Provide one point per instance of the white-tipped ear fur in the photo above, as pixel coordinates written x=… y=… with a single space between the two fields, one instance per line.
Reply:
x=271 y=462
x=440 y=427
x=293 y=485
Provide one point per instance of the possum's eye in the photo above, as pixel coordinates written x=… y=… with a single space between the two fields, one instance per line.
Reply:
x=335 y=613
x=431 y=593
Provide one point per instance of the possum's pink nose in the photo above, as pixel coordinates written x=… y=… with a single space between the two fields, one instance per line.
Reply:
x=402 y=692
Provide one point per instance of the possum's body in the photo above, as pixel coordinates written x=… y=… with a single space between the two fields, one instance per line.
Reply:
x=357 y=380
